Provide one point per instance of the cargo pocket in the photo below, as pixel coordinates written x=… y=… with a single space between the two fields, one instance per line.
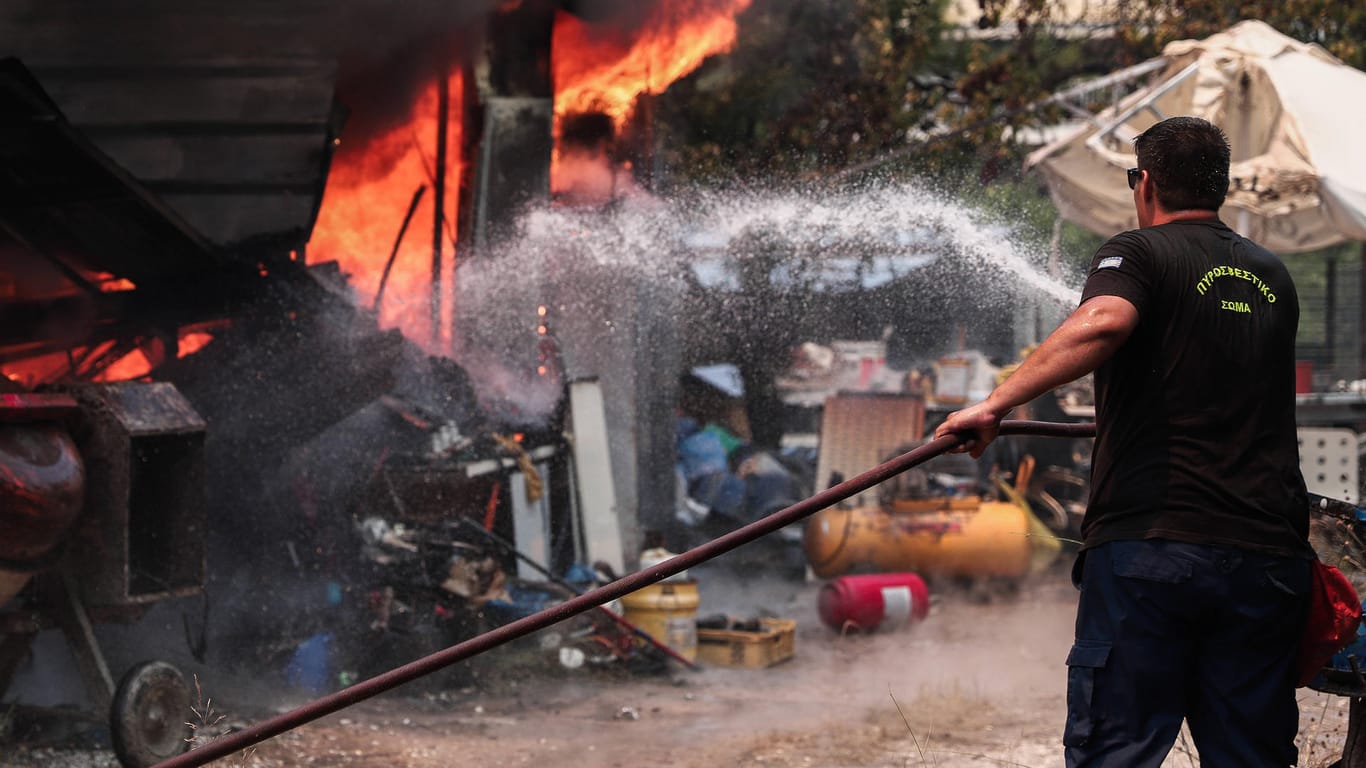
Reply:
x=1083 y=662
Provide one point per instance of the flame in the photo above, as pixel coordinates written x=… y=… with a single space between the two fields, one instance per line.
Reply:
x=46 y=367
x=133 y=365
x=368 y=193
x=139 y=362
x=600 y=69
x=596 y=70
x=371 y=184
x=31 y=371
x=108 y=283
x=192 y=341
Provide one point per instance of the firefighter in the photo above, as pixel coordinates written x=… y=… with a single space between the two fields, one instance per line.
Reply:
x=1194 y=570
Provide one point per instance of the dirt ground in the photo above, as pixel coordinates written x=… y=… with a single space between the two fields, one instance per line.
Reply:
x=976 y=684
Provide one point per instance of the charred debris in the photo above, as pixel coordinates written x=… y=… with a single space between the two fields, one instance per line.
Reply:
x=338 y=457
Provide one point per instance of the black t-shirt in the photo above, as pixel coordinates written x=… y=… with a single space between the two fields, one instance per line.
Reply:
x=1196 y=411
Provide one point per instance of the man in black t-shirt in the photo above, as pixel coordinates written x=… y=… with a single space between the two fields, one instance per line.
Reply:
x=1194 y=569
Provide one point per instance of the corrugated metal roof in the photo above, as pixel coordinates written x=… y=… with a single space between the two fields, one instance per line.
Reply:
x=71 y=220
x=63 y=200
x=224 y=111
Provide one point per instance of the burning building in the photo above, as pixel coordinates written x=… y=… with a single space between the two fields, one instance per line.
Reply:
x=272 y=207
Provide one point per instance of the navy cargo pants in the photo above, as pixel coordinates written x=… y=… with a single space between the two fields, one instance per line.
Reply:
x=1167 y=631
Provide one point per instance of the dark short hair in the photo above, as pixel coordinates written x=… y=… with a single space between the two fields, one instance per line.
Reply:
x=1188 y=160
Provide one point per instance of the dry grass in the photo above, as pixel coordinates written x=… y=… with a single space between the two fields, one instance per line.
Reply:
x=955 y=727
x=1323 y=728
x=207 y=725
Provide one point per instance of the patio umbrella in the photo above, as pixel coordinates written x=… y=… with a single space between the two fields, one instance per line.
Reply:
x=1292 y=114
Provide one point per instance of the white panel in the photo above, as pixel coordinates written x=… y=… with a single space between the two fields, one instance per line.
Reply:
x=530 y=527
x=1328 y=459
x=860 y=430
x=593 y=474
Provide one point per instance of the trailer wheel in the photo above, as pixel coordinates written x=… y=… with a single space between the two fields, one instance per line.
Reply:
x=149 y=714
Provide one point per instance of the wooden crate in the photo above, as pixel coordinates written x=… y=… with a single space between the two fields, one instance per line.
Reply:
x=773 y=643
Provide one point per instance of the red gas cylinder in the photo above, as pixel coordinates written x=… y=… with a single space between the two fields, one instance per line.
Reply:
x=874 y=601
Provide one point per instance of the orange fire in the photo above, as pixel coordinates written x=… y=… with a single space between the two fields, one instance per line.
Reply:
x=38 y=369
x=58 y=366
x=138 y=363
x=369 y=189
x=370 y=185
x=597 y=69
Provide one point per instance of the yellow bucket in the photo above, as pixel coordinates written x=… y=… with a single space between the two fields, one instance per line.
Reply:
x=667 y=612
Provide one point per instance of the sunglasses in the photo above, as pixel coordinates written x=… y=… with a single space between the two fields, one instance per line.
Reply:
x=1134 y=176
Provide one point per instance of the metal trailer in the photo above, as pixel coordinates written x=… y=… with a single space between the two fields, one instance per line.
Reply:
x=136 y=538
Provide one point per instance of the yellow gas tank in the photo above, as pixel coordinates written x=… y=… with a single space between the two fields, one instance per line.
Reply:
x=958 y=537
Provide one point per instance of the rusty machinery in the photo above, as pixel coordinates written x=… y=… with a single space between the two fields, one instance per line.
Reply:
x=102 y=514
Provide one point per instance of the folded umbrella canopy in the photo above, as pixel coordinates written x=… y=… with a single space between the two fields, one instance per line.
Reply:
x=1292 y=114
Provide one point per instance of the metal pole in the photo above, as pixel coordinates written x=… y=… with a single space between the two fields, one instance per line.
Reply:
x=402 y=230
x=1361 y=313
x=1330 y=312
x=306 y=713
x=443 y=99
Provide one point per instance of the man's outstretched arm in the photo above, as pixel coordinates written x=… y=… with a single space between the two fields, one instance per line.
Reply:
x=1087 y=338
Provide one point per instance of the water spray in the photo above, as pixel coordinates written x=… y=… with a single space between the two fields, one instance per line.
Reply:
x=326 y=705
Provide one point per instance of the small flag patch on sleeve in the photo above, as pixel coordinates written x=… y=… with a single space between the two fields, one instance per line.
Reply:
x=1110 y=262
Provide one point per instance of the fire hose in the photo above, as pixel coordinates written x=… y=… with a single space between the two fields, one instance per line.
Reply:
x=326 y=705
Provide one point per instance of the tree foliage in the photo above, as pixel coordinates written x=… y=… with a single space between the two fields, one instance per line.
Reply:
x=823 y=85
x=1340 y=27
x=812 y=85
x=1051 y=49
